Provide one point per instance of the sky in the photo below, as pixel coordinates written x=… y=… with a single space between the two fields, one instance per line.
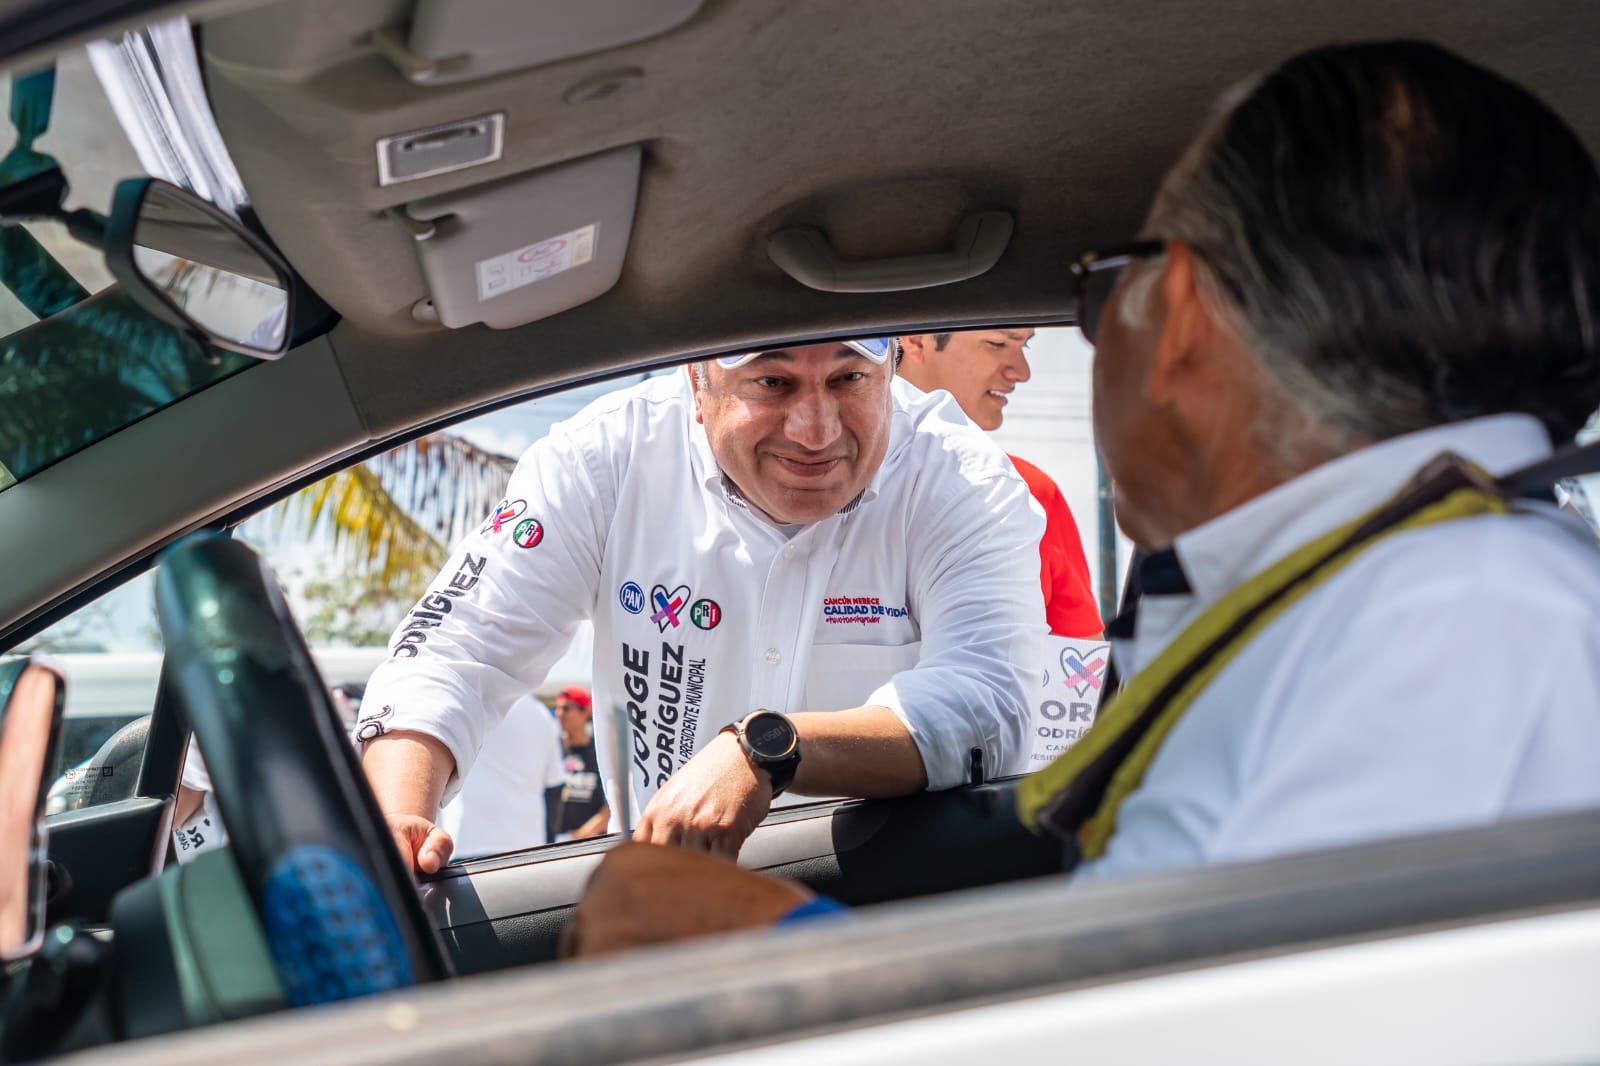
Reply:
x=509 y=432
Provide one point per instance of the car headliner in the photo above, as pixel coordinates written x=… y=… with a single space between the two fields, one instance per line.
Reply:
x=882 y=123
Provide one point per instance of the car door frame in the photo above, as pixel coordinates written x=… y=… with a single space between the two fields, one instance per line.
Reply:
x=229 y=430
x=928 y=957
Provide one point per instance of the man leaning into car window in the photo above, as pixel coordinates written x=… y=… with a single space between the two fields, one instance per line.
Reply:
x=1368 y=293
x=802 y=575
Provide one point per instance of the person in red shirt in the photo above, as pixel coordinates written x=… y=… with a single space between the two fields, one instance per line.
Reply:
x=980 y=369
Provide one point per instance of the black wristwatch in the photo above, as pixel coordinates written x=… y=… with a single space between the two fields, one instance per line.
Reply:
x=771 y=743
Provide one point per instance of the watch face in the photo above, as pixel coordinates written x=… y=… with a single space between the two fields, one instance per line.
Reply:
x=770 y=736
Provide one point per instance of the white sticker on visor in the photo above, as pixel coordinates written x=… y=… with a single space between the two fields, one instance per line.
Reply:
x=874 y=348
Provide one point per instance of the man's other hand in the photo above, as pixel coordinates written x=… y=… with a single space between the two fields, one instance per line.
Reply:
x=422 y=844
x=408 y=772
x=713 y=802
x=641 y=895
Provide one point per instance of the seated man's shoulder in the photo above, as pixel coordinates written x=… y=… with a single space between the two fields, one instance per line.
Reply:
x=1472 y=571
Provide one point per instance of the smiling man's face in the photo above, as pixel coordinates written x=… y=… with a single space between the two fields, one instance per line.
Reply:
x=980 y=368
x=799 y=431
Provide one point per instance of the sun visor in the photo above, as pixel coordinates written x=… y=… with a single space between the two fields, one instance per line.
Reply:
x=458 y=40
x=522 y=249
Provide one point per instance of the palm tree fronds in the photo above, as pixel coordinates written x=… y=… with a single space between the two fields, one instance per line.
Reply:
x=446 y=482
x=397 y=514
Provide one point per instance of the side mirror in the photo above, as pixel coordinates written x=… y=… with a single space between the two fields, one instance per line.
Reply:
x=197 y=267
x=31 y=701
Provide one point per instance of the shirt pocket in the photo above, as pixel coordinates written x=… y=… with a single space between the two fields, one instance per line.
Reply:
x=842 y=676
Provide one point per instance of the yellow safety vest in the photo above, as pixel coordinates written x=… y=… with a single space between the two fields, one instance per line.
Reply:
x=1082 y=790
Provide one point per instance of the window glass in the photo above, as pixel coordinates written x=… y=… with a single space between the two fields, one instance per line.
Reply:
x=355 y=551
x=110 y=653
x=71 y=376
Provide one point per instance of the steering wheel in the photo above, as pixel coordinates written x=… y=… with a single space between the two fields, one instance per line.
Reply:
x=338 y=908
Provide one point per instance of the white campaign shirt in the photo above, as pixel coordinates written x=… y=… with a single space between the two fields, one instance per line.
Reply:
x=1448 y=677
x=922 y=596
x=501 y=803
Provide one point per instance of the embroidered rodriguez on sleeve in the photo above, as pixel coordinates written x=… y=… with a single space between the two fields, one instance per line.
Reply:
x=974 y=566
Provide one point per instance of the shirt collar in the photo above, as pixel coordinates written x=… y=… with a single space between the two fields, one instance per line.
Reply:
x=1230 y=549
x=1155 y=574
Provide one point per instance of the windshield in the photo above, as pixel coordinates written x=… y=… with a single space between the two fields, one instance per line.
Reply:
x=78 y=360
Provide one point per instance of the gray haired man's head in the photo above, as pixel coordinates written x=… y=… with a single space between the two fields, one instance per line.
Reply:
x=1369 y=240
x=1401 y=238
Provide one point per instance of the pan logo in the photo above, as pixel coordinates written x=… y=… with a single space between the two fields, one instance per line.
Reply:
x=631 y=596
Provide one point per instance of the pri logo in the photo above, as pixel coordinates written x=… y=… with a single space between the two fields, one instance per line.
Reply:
x=1083 y=676
x=705 y=614
x=668 y=605
x=503 y=515
x=528 y=532
x=631 y=596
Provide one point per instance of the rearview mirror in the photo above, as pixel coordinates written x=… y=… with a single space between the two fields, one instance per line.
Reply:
x=31 y=701
x=193 y=264
x=176 y=255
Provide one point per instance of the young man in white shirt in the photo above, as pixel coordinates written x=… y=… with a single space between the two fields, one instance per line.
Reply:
x=783 y=531
x=1343 y=331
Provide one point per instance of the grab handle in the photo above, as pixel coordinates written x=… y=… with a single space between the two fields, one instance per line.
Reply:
x=803 y=252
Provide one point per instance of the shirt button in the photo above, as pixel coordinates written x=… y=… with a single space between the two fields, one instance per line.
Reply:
x=774 y=656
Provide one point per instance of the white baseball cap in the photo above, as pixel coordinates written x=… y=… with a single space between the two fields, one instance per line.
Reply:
x=875 y=348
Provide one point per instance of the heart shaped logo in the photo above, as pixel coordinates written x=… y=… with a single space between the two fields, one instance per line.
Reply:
x=1082 y=676
x=666 y=607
